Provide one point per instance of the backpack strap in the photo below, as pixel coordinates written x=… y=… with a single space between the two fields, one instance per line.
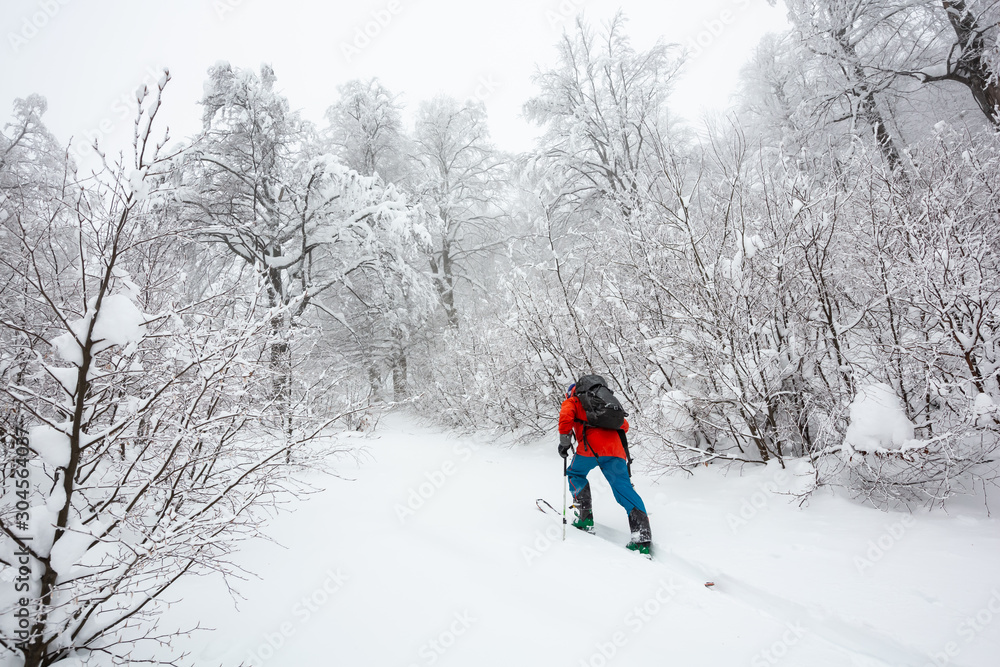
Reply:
x=628 y=455
x=586 y=443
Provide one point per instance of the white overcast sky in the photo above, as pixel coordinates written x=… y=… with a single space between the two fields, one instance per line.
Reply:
x=88 y=56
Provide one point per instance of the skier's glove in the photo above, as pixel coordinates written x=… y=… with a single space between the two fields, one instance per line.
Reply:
x=565 y=444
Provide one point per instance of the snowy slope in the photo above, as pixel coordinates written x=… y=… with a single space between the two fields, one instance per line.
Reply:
x=433 y=553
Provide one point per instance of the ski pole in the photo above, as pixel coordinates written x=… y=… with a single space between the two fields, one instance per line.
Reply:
x=565 y=484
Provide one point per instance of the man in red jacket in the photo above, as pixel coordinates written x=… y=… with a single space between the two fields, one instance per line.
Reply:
x=603 y=448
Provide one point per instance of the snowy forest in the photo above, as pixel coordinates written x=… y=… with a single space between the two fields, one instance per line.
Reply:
x=811 y=278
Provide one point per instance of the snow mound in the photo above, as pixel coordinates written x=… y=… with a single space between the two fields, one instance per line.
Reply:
x=674 y=412
x=878 y=420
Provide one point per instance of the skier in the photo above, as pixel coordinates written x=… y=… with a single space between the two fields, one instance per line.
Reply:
x=599 y=447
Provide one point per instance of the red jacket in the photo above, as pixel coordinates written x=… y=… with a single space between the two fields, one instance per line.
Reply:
x=600 y=441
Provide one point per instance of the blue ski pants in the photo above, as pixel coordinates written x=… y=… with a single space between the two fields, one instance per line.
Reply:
x=615 y=471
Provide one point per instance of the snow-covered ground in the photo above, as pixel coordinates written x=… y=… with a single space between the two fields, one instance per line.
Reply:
x=430 y=552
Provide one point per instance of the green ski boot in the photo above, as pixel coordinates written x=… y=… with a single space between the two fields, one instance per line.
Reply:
x=584 y=510
x=640 y=547
x=642 y=539
x=586 y=524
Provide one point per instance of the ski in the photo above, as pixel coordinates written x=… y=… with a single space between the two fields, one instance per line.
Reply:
x=545 y=507
x=543 y=510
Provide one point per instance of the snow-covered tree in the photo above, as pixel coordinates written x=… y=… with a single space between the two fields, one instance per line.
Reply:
x=603 y=110
x=32 y=179
x=460 y=179
x=888 y=69
x=365 y=130
x=145 y=453
x=310 y=228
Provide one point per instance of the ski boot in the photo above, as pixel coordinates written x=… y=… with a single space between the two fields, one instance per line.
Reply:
x=584 y=510
x=642 y=539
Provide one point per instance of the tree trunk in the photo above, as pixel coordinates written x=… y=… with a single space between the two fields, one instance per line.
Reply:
x=867 y=105
x=399 y=390
x=444 y=280
x=972 y=67
x=374 y=382
x=281 y=351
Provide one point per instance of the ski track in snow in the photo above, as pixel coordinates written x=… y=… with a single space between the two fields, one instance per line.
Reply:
x=840 y=632
x=850 y=637
x=475 y=567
